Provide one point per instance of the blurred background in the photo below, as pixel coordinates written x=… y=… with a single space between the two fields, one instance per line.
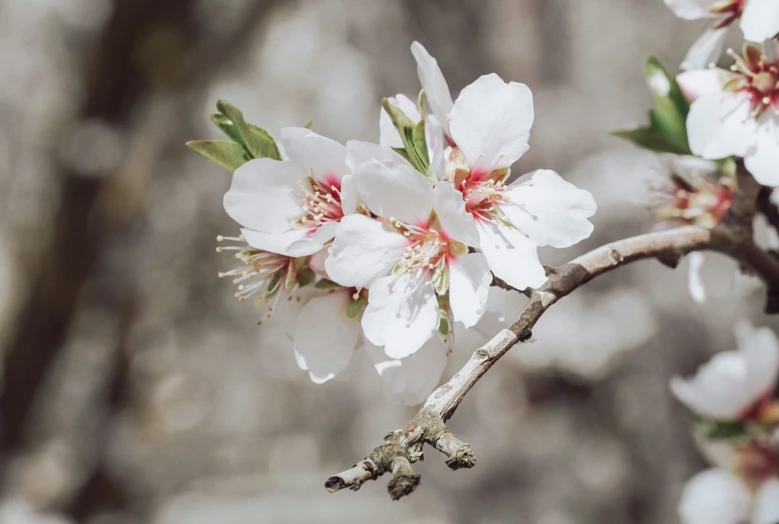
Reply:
x=136 y=389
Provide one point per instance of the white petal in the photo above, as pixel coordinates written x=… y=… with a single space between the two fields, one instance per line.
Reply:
x=395 y=190
x=699 y=82
x=695 y=282
x=511 y=256
x=436 y=147
x=325 y=337
x=469 y=286
x=767 y=503
x=503 y=308
x=388 y=134
x=364 y=250
x=410 y=380
x=359 y=152
x=317 y=263
x=760 y=20
x=315 y=153
x=707 y=49
x=292 y=243
x=691 y=9
x=439 y=98
x=761 y=351
x=402 y=314
x=721 y=125
x=263 y=195
x=491 y=122
x=456 y=221
x=349 y=195
x=714 y=497
x=732 y=381
x=763 y=160
x=549 y=210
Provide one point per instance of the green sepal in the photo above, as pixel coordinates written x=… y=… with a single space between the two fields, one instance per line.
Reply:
x=256 y=140
x=274 y=285
x=224 y=153
x=292 y=274
x=441 y=280
x=355 y=307
x=443 y=323
x=721 y=429
x=326 y=284
x=309 y=125
x=305 y=276
x=667 y=129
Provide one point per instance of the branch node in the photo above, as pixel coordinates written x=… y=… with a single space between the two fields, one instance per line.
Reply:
x=670 y=258
x=458 y=453
x=404 y=479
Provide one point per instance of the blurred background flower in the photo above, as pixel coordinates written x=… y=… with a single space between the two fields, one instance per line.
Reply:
x=136 y=389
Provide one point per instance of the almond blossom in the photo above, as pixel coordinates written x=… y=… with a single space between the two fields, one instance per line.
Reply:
x=268 y=276
x=413 y=258
x=734 y=384
x=759 y=21
x=488 y=127
x=736 y=113
x=694 y=192
x=292 y=207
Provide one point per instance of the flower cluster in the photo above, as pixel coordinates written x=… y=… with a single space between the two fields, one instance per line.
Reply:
x=737 y=425
x=389 y=246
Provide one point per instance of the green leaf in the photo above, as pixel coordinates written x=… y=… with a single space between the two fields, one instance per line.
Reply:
x=664 y=87
x=420 y=146
x=309 y=124
x=355 y=307
x=256 y=140
x=652 y=139
x=224 y=153
x=667 y=130
x=413 y=136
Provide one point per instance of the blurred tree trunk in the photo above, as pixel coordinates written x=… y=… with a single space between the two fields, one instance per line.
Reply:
x=148 y=50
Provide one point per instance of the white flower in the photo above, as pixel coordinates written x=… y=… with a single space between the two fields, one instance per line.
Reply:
x=415 y=252
x=324 y=337
x=489 y=128
x=759 y=22
x=733 y=381
x=292 y=207
x=411 y=379
x=737 y=113
x=717 y=496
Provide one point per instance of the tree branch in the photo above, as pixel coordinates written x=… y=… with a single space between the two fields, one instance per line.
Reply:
x=404 y=447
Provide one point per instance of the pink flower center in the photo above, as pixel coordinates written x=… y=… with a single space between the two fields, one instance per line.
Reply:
x=705 y=204
x=756 y=462
x=321 y=202
x=259 y=273
x=483 y=196
x=428 y=248
x=758 y=78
